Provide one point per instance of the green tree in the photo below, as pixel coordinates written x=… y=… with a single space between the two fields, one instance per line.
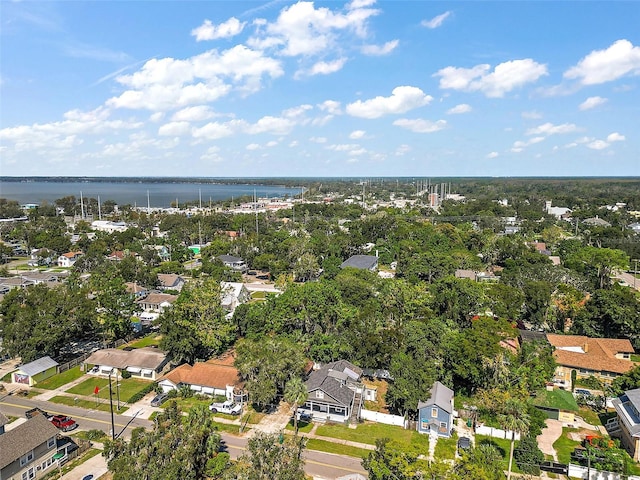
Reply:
x=528 y=455
x=514 y=418
x=268 y=458
x=390 y=462
x=295 y=392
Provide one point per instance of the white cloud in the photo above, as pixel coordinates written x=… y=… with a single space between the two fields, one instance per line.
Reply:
x=293 y=144
x=253 y=146
x=344 y=147
x=505 y=77
x=167 y=83
x=175 y=129
x=272 y=125
x=492 y=155
x=435 y=22
x=402 y=100
x=355 y=4
x=357 y=134
x=592 y=102
x=302 y=29
x=272 y=143
x=601 y=66
x=318 y=139
x=402 y=149
x=209 y=31
x=357 y=152
x=213 y=131
x=420 y=125
x=519 y=145
x=156 y=117
x=615 y=137
x=212 y=155
x=462 y=108
x=323 y=68
x=330 y=106
x=551 y=129
x=193 y=114
x=379 y=50
x=597 y=145
x=533 y=115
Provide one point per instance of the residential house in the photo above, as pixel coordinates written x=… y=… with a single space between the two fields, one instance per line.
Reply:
x=156 y=302
x=558 y=212
x=138 y=291
x=435 y=415
x=170 y=281
x=335 y=392
x=628 y=428
x=116 y=255
x=33 y=372
x=361 y=262
x=596 y=222
x=146 y=362
x=9 y=283
x=603 y=358
x=27 y=451
x=109 y=227
x=233 y=294
x=215 y=377
x=68 y=259
x=3 y=421
x=635 y=227
x=50 y=279
x=234 y=263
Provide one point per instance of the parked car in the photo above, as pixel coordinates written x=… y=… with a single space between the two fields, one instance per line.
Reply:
x=37 y=411
x=582 y=391
x=64 y=423
x=159 y=399
x=228 y=407
x=304 y=416
x=464 y=443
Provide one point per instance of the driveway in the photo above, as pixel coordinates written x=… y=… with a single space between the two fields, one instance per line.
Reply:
x=549 y=435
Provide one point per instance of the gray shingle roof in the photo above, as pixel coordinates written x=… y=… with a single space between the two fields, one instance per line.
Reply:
x=24 y=438
x=146 y=357
x=332 y=379
x=363 y=262
x=3 y=420
x=441 y=397
x=229 y=258
x=38 y=366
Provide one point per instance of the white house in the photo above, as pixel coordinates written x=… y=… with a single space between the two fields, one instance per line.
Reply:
x=68 y=259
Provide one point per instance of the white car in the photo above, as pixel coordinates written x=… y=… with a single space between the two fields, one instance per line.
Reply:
x=228 y=407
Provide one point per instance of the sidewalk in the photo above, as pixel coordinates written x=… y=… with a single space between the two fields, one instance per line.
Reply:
x=549 y=435
x=96 y=466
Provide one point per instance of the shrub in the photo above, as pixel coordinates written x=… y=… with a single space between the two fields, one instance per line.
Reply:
x=528 y=456
x=95 y=434
x=137 y=396
x=125 y=374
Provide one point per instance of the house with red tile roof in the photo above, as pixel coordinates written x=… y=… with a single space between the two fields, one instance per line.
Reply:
x=603 y=358
x=214 y=377
x=68 y=259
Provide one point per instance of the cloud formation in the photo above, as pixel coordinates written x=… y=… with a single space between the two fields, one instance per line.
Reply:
x=551 y=129
x=420 y=125
x=592 y=102
x=435 y=22
x=379 y=50
x=601 y=66
x=209 y=31
x=504 y=78
x=462 y=108
x=402 y=100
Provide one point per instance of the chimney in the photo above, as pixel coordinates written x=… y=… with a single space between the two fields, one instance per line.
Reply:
x=586 y=347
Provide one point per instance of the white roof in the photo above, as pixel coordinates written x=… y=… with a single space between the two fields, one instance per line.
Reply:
x=38 y=366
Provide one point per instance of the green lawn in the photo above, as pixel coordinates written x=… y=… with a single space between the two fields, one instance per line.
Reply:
x=186 y=404
x=103 y=404
x=252 y=417
x=330 y=447
x=366 y=433
x=302 y=426
x=148 y=341
x=561 y=399
x=590 y=416
x=564 y=445
x=503 y=446
x=225 y=427
x=61 y=379
x=128 y=387
x=446 y=448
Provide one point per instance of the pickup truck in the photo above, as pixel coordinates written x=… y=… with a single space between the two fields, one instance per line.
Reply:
x=37 y=411
x=227 y=407
x=63 y=422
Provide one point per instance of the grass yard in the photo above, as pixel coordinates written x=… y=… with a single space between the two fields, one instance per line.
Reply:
x=446 y=448
x=61 y=379
x=561 y=399
x=590 y=416
x=564 y=445
x=128 y=387
x=252 y=417
x=148 y=341
x=302 y=426
x=330 y=447
x=103 y=404
x=225 y=427
x=503 y=446
x=186 y=404
x=366 y=433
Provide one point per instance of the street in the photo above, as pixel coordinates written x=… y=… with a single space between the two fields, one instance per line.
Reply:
x=325 y=465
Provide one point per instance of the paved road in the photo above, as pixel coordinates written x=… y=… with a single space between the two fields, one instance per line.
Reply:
x=320 y=464
x=629 y=279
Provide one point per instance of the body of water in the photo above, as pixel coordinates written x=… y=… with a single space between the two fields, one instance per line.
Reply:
x=161 y=194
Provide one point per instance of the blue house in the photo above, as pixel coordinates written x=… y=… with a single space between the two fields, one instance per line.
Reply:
x=436 y=414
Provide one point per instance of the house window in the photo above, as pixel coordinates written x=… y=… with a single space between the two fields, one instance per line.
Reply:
x=26 y=458
x=51 y=442
x=443 y=427
x=29 y=474
x=434 y=412
x=319 y=394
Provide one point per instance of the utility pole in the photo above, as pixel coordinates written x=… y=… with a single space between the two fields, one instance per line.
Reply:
x=113 y=423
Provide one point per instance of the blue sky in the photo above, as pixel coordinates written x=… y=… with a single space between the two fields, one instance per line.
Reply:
x=359 y=88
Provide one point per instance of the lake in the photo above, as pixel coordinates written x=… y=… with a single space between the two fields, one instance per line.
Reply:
x=161 y=194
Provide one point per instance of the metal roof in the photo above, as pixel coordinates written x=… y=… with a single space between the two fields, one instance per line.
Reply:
x=363 y=262
x=38 y=366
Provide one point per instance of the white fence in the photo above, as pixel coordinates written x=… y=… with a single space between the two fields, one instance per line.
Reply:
x=383 y=418
x=495 y=432
x=577 y=471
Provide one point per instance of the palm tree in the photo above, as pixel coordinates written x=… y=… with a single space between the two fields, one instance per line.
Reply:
x=295 y=392
x=514 y=417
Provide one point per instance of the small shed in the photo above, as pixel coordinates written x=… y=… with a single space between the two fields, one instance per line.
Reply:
x=33 y=372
